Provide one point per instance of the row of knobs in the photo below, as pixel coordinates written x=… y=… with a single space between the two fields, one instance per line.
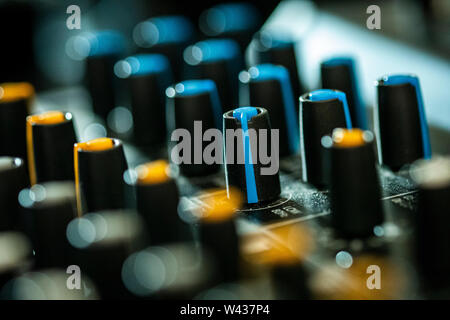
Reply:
x=341 y=159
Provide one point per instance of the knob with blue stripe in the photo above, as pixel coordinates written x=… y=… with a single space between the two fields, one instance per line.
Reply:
x=353 y=181
x=219 y=60
x=340 y=73
x=321 y=111
x=238 y=21
x=269 y=86
x=245 y=169
x=147 y=76
x=167 y=35
x=193 y=107
x=102 y=49
x=400 y=121
x=267 y=47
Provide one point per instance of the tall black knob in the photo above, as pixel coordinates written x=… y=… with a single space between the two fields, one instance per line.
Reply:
x=103 y=49
x=238 y=21
x=15 y=103
x=269 y=86
x=13 y=178
x=157 y=199
x=339 y=73
x=193 y=107
x=400 y=122
x=267 y=47
x=167 y=35
x=99 y=167
x=248 y=167
x=217 y=231
x=47 y=209
x=50 y=140
x=354 y=186
x=148 y=76
x=321 y=111
x=432 y=235
x=219 y=60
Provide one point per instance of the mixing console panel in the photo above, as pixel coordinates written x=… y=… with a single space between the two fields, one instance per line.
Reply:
x=202 y=165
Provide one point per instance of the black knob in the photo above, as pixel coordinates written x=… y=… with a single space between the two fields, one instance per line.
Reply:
x=157 y=199
x=219 y=60
x=256 y=178
x=321 y=111
x=339 y=73
x=47 y=209
x=50 y=140
x=13 y=178
x=268 y=86
x=193 y=107
x=99 y=168
x=267 y=47
x=432 y=221
x=400 y=122
x=148 y=76
x=102 y=241
x=167 y=35
x=15 y=102
x=217 y=231
x=354 y=187
x=238 y=21
x=103 y=49
x=16 y=254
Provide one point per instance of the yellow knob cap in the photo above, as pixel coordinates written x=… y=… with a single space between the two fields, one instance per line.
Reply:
x=13 y=91
x=153 y=172
x=347 y=138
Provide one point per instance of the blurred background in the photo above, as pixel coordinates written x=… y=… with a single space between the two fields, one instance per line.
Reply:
x=35 y=33
x=414 y=38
